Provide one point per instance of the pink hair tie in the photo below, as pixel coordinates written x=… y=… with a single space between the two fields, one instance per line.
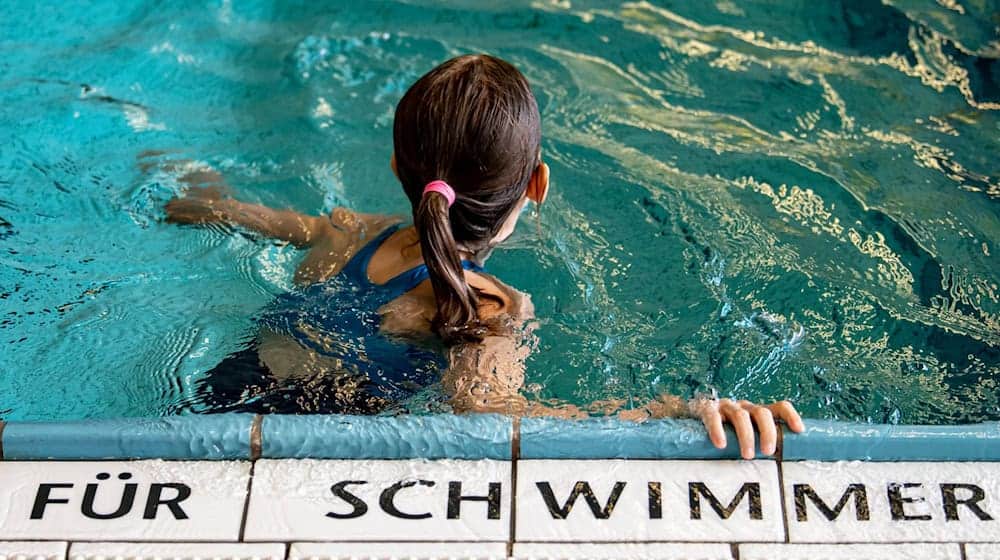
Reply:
x=443 y=189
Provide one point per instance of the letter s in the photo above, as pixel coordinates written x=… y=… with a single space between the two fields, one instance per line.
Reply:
x=360 y=507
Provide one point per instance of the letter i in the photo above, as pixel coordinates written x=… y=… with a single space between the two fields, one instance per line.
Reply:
x=655 y=500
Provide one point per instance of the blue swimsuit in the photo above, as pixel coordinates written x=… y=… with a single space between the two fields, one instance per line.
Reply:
x=356 y=270
x=339 y=319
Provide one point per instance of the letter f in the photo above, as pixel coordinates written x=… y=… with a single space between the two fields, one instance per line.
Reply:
x=42 y=499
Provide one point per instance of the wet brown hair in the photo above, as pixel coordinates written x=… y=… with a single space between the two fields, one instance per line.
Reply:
x=473 y=123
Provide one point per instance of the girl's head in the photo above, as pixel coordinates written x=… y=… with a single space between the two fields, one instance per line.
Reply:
x=473 y=123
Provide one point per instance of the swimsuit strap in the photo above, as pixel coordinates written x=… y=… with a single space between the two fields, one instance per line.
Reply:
x=357 y=268
x=406 y=281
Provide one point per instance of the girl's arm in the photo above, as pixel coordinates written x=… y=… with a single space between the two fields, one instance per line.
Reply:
x=208 y=206
x=487 y=377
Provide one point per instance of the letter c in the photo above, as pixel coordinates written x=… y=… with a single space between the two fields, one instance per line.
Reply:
x=389 y=494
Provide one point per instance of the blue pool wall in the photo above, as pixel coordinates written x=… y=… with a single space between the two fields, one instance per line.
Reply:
x=484 y=436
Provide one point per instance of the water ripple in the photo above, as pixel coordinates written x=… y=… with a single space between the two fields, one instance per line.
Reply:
x=772 y=200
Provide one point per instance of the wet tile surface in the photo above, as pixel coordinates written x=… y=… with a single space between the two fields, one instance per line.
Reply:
x=921 y=551
x=707 y=501
x=681 y=509
x=380 y=501
x=651 y=551
x=152 y=500
x=32 y=550
x=332 y=551
x=982 y=551
x=892 y=502
x=187 y=551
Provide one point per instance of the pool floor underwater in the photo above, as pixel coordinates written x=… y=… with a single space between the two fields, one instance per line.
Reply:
x=676 y=509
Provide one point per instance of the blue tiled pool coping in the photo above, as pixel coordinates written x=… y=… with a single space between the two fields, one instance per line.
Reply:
x=484 y=436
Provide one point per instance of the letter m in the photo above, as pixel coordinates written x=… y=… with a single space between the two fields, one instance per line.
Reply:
x=697 y=490
x=803 y=491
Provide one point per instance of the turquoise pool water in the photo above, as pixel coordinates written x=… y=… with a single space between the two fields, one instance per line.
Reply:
x=776 y=199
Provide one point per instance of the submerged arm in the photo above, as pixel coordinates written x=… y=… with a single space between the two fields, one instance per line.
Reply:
x=207 y=202
x=207 y=206
x=487 y=377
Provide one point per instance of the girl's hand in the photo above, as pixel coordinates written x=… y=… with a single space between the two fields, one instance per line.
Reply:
x=743 y=415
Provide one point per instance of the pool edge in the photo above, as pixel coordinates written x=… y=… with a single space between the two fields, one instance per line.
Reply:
x=488 y=436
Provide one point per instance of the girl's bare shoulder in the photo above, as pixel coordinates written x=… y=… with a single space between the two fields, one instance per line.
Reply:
x=360 y=224
x=500 y=298
x=413 y=312
x=347 y=232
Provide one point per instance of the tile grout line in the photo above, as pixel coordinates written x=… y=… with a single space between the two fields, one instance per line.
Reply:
x=256 y=437
x=515 y=454
x=291 y=541
x=734 y=548
x=256 y=443
x=779 y=459
x=680 y=541
x=178 y=540
x=779 y=447
x=246 y=504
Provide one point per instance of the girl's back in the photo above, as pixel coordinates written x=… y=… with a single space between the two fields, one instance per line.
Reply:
x=355 y=338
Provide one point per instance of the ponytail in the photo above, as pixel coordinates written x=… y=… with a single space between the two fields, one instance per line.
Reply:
x=471 y=120
x=457 y=318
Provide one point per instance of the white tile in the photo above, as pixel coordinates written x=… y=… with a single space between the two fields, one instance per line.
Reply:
x=684 y=511
x=982 y=551
x=650 y=551
x=379 y=501
x=921 y=551
x=13 y=550
x=177 y=551
x=900 y=502
x=379 y=551
x=139 y=500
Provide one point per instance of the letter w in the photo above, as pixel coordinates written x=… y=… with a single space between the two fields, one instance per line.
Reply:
x=580 y=487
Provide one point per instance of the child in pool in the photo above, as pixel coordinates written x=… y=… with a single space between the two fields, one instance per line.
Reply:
x=467 y=152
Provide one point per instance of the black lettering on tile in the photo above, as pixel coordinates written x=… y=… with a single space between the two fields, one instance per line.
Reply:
x=389 y=494
x=581 y=487
x=359 y=507
x=655 y=492
x=897 y=502
x=155 y=499
x=124 y=504
x=951 y=501
x=858 y=491
x=44 y=497
x=698 y=489
x=455 y=499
